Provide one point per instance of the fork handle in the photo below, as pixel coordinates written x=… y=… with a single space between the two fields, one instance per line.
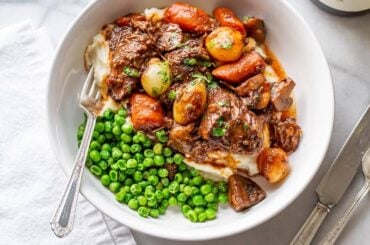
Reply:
x=312 y=224
x=63 y=218
x=332 y=236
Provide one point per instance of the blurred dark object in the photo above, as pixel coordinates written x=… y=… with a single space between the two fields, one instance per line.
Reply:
x=340 y=8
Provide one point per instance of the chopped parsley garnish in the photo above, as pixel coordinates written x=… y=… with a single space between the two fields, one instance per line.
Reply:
x=227 y=45
x=220 y=122
x=211 y=83
x=245 y=126
x=205 y=63
x=190 y=61
x=218 y=132
x=165 y=75
x=155 y=91
x=131 y=72
x=172 y=95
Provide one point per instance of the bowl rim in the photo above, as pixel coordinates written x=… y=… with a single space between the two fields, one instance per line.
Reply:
x=99 y=205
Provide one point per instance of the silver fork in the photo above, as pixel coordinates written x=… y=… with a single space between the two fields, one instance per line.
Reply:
x=333 y=235
x=63 y=218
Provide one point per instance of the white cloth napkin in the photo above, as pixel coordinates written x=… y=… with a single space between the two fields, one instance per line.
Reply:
x=31 y=180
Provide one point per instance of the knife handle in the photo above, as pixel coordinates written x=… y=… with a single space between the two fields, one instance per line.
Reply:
x=312 y=224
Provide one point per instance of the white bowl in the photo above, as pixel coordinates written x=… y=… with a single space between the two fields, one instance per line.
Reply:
x=298 y=50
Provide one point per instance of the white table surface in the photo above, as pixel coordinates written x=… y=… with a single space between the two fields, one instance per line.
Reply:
x=346 y=44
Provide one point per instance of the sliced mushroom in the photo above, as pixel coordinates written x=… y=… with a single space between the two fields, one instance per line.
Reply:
x=256 y=28
x=243 y=193
x=250 y=85
x=280 y=94
x=286 y=135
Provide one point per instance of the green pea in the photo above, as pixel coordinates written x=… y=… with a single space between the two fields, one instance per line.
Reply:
x=121 y=176
x=197 y=180
x=181 y=197
x=169 y=160
x=130 y=171
x=120 y=196
x=119 y=120
x=199 y=210
x=147 y=143
x=165 y=181
x=110 y=161
x=158 y=149
x=108 y=127
x=159 y=186
x=126 y=138
x=187 y=190
x=186 y=180
x=125 y=148
x=99 y=126
x=152 y=202
x=131 y=163
x=167 y=152
x=106 y=147
x=205 y=189
x=148 y=162
x=178 y=177
x=89 y=163
x=133 y=204
x=135 y=148
x=173 y=187
x=154 y=213
x=108 y=114
x=162 y=172
x=211 y=213
x=101 y=139
x=103 y=165
x=104 y=155
x=141 y=137
x=122 y=112
x=140 y=167
x=113 y=174
x=161 y=136
x=166 y=193
x=158 y=160
x=210 y=197
x=136 y=189
x=105 y=179
x=95 y=170
x=215 y=190
x=149 y=195
x=94 y=145
x=158 y=194
x=116 y=130
x=95 y=156
x=148 y=153
x=153 y=179
x=114 y=186
x=143 y=183
x=95 y=135
x=222 y=186
x=114 y=166
x=143 y=212
x=116 y=154
x=121 y=164
x=192 y=216
x=128 y=182
x=152 y=171
x=126 y=156
x=138 y=176
x=181 y=187
x=162 y=210
x=212 y=205
x=182 y=167
x=125 y=189
x=141 y=200
x=127 y=198
x=177 y=158
x=195 y=190
x=222 y=198
x=139 y=157
x=172 y=201
x=202 y=217
x=127 y=128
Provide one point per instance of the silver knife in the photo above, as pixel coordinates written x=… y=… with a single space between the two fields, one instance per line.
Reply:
x=337 y=179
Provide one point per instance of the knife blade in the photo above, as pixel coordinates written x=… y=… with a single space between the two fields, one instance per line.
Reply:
x=336 y=181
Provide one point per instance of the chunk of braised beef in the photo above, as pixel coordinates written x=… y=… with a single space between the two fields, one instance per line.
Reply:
x=286 y=135
x=246 y=132
x=280 y=94
x=172 y=169
x=170 y=36
x=193 y=48
x=181 y=138
x=222 y=106
x=243 y=192
x=120 y=86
